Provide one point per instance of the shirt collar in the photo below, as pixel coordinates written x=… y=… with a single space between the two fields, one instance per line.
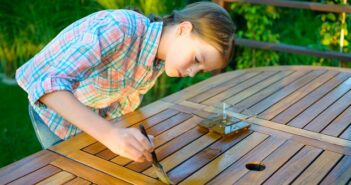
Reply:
x=150 y=43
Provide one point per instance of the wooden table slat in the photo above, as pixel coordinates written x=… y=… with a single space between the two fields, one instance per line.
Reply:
x=106 y=154
x=341 y=173
x=319 y=168
x=263 y=84
x=275 y=160
x=142 y=113
x=311 y=112
x=94 y=148
x=238 y=169
x=288 y=89
x=26 y=166
x=202 y=87
x=289 y=171
x=58 y=178
x=170 y=147
x=113 y=169
x=222 y=87
x=77 y=181
x=157 y=118
x=78 y=142
x=312 y=141
x=185 y=153
x=226 y=159
x=311 y=98
x=296 y=96
x=259 y=96
x=339 y=124
x=329 y=114
x=238 y=88
x=36 y=176
x=86 y=173
x=285 y=128
x=166 y=136
x=168 y=124
x=199 y=160
x=346 y=134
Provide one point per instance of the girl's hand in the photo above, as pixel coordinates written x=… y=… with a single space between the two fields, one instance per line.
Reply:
x=129 y=143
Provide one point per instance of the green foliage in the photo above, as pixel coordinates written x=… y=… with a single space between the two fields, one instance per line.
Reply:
x=17 y=136
x=301 y=33
x=27 y=25
x=332 y=27
x=258 y=22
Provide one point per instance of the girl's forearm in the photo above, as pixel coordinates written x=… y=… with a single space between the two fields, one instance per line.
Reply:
x=69 y=107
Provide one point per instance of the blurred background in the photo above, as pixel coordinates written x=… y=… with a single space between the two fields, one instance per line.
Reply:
x=26 y=26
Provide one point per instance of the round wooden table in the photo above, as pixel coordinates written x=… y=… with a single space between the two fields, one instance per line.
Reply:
x=301 y=135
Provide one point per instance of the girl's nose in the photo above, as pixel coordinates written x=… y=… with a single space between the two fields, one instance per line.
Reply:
x=192 y=71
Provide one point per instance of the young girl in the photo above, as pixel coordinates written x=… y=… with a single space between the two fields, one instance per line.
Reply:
x=98 y=68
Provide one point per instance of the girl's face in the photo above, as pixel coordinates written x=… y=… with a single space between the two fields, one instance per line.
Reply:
x=187 y=54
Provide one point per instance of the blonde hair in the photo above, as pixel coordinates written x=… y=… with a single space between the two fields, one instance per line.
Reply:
x=210 y=22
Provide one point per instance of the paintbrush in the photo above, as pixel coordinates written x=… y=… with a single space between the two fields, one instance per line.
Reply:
x=161 y=174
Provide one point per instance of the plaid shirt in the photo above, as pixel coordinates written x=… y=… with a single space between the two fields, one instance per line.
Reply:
x=107 y=60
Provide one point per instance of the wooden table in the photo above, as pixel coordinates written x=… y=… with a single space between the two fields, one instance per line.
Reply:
x=301 y=134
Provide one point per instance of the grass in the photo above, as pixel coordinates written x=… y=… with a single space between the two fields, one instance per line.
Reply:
x=17 y=137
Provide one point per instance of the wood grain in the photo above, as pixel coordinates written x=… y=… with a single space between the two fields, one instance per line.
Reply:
x=265 y=83
x=113 y=169
x=222 y=87
x=94 y=148
x=287 y=90
x=26 y=166
x=58 y=178
x=166 y=136
x=339 y=124
x=170 y=147
x=106 y=154
x=285 y=128
x=238 y=169
x=296 y=96
x=201 y=87
x=329 y=114
x=77 y=181
x=238 y=88
x=311 y=112
x=36 y=176
x=75 y=143
x=142 y=113
x=319 y=168
x=259 y=96
x=199 y=160
x=226 y=159
x=273 y=162
x=341 y=173
x=289 y=171
x=185 y=153
x=86 y=173
x=311 y=98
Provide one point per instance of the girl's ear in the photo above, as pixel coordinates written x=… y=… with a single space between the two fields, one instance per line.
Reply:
x=184 y=28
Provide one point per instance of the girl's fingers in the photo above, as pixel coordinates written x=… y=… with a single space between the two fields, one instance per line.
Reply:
x=146 y=144
x=152 y=141
x=140 y=147
x=133 y=153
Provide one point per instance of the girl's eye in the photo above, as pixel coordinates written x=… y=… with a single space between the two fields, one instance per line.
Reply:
x=196 y=60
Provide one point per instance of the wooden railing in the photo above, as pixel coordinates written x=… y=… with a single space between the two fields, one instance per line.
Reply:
x=342 y=57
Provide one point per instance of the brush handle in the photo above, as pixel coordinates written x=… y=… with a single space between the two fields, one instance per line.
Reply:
x=153 y=154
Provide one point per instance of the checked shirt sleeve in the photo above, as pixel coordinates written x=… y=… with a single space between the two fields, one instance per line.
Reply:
x=71 y=57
